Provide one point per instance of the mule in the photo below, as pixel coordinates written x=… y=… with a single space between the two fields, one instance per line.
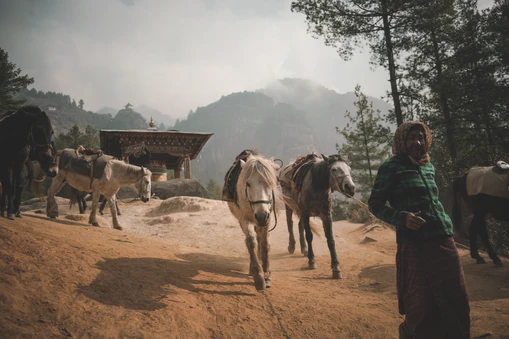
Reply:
x=24 y=134
x=251 y=189
x=116 y=174
x=307 y=187
x=480 y=205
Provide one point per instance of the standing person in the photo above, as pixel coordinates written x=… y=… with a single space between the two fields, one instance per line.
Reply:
x=430 y=281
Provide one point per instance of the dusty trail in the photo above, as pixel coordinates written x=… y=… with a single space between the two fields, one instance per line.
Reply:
x=184 y=275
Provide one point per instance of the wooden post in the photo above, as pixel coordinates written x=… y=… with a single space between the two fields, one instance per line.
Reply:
x=187 y=167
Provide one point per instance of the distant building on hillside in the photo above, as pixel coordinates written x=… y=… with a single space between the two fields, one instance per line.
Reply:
x=129 y=106
x=52 y=108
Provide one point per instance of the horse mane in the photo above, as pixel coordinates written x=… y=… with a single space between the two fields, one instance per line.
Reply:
x=257 y=163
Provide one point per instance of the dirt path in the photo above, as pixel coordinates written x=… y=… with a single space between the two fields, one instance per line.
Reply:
x=184 y=275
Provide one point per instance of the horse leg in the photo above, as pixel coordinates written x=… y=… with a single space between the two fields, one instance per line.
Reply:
x=289 y=223
x=116 y=205
x=302 y=239
x=18 y=190
x=309 y=238
x=57 y=183
x=483 y=234
x=254 y=266
x=10 y=195
x=113 y=210
x=474 y=231
x=95 y=201
x=103 y=204
x=263 y=250
x=327 y=227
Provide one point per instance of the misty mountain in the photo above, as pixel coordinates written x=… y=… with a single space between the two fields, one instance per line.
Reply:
x=247 y=120
x=290 y=117
x=64 y=113
x=146 y=112
x=325 y=109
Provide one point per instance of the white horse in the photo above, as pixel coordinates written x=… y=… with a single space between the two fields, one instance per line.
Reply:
x=254 y=200
x=116 y=174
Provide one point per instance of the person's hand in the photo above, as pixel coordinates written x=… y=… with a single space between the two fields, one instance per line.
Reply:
x=413 y=221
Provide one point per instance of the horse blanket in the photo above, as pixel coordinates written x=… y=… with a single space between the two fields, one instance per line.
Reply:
x=488 y=180
x=232 y=176
x=293 y=175
x=73 y=162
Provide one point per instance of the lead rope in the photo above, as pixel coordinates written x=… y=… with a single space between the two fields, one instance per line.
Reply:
x=274 y=210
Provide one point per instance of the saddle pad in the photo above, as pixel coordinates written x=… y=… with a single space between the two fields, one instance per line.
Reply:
x=231 y=177
x=70 y=161
x=301 y=167
x=488 y=180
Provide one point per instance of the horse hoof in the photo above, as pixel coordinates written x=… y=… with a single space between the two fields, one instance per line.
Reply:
x=291 y=249
x=10 y=216
x=304 y=253
x=481 y=261
x=336 y=275
x=312 y=265
x=498 y=263
x=118 y=228
x=268 y=283
x=18 y=215
x=260 y=285
x=95 y=223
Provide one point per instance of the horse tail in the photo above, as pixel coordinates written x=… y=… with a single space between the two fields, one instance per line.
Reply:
x=37 y=179
x=459 y=193
x=292 y=204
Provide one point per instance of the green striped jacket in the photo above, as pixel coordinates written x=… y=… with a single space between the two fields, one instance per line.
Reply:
x=409 y=188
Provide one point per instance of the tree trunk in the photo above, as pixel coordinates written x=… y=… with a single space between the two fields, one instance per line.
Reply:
x=392 y=66
x=443 y=98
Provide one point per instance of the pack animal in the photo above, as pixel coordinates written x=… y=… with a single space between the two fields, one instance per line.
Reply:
x=307 y=187
x=110 y=175
x=251 y=189
x=24 y=134
x=485 y=191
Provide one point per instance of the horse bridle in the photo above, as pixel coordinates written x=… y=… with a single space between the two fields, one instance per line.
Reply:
x=271 y=202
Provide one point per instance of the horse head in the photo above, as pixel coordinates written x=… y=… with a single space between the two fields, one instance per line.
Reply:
x=144 y=184
x=43 y=149
x=340 y=178
x=257 y=185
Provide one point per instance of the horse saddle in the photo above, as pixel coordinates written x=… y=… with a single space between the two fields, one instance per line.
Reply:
x=300 y=167
x=488 y=180
x=232 y=176
x=91 y=165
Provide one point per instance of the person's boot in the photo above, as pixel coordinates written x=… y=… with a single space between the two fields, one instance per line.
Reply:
x=18 y=214
x=10 y=216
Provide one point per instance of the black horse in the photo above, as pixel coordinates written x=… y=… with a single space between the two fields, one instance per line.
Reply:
x=480 y=205
x=24 y=134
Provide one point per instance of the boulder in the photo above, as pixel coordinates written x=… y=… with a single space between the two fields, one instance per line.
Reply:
x=170 y=188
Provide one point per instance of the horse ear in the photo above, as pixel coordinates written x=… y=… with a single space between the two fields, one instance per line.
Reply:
x=324 y=157
x=242 y=163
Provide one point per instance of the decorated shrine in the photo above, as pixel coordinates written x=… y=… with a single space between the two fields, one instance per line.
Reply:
x=170 y=150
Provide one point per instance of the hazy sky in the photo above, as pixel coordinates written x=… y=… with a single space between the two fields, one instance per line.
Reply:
x=171 y=55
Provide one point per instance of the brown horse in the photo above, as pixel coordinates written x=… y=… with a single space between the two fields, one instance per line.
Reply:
x=480 y=205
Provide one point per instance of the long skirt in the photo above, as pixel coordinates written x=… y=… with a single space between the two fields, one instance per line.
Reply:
x=431 y=290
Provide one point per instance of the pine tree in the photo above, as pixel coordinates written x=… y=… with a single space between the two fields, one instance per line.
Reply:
x=11 y=83
x=214 y=189
x=367 y=143
x=81 y=103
